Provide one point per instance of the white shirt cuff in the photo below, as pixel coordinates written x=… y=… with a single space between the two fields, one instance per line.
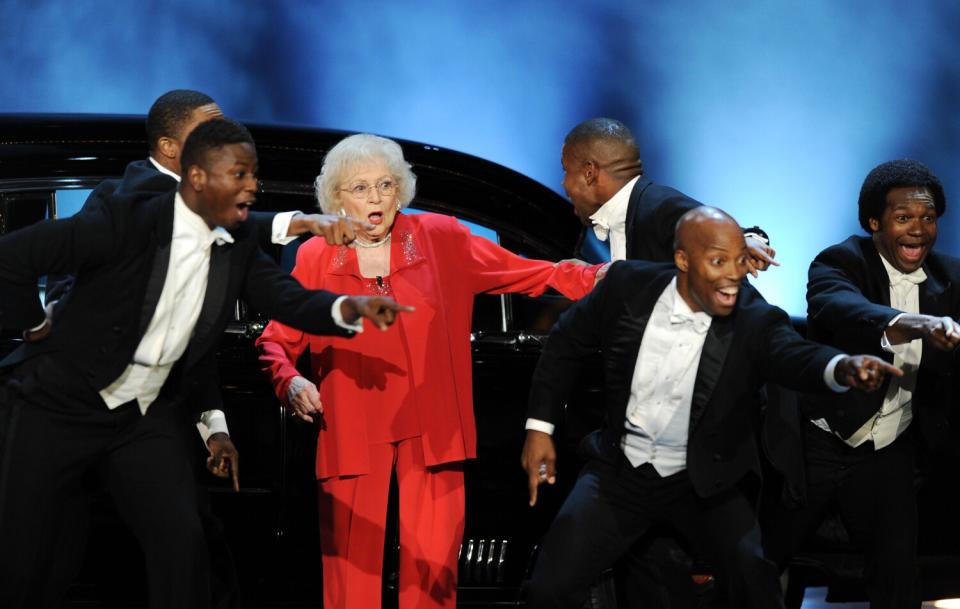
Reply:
x=538 y=425
x=757 y=236
x=281 y=226
x=830 y=379
x=211 y=422
x=356 y=326
x=885 y=342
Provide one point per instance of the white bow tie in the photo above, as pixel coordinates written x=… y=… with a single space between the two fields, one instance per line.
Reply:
x=600 y=228
x=219 y=236
x=697 y=322
x=896 y=277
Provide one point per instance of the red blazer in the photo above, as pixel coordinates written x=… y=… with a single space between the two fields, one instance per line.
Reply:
x=437 y=266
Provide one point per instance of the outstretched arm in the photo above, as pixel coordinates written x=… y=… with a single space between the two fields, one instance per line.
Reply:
x=794 y=362
x=281 y=297
x=494 y=270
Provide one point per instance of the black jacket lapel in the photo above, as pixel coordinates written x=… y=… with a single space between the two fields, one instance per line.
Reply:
x=877 y=288
x=217 y=281
x=626 y=337
x=932 y=301
x=930 y=292
x=625 y=348
x=163 y=235
x=632 y=209
x=714 y=354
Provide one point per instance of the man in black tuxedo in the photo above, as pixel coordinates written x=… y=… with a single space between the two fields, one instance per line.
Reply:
x=890 y=295
x=685 y=352
x=169 y=121
x=135 y=342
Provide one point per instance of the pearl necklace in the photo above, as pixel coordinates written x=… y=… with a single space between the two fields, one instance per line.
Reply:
x=371 y=244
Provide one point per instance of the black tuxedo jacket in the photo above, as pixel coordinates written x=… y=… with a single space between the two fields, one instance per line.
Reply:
x=753 y=345
x=652 y=215
x=118 y=251
x=848 y=300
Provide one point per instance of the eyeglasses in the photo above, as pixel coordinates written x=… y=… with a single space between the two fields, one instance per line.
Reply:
x=362 y=190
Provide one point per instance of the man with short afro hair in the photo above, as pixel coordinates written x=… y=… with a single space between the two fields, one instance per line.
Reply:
x=891 y=295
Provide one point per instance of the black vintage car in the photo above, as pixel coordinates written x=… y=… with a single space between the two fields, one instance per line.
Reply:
x=49 y=163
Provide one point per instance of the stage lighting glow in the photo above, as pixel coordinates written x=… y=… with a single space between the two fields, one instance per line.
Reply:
x=772 y=113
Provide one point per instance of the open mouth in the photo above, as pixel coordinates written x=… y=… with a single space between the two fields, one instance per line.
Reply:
x=375 y=218
x=727 y=296
x=912 y=252
x=243 y=210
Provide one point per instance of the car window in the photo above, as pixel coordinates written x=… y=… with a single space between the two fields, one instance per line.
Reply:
x=475 y=229
x=70 y=200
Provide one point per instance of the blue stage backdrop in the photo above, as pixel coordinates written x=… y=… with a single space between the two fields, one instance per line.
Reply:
x=773 y=111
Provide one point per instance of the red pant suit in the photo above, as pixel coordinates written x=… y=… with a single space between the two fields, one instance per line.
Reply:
x=402 y=400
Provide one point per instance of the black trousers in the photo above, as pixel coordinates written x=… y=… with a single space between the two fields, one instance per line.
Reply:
x=875 y=493
x=54 y=430
x=612 y=505
x=656 y=574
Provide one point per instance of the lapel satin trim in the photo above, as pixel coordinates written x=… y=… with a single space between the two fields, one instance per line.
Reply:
x=628 y=335
x=626 y=344
x=217 y=280
x=158 y=276
x=715 y=348
x=877 y=277
x=930 y=292
x=162 y=235
x=632 y=209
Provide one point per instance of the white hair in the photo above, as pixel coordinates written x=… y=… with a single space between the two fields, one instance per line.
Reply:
x=359 y=149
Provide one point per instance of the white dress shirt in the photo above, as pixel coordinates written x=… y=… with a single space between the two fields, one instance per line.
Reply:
x=658 y=410
x=178 y=309
x=610 y=221
x=215 y=421
x=896 y=413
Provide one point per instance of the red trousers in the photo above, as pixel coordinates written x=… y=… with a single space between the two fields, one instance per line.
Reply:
x=353 y=513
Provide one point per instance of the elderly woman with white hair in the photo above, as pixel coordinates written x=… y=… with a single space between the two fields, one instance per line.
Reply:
x=398 y=401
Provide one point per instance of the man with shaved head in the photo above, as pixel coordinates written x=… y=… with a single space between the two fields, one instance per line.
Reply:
x=686 y=349
x=603 y=177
